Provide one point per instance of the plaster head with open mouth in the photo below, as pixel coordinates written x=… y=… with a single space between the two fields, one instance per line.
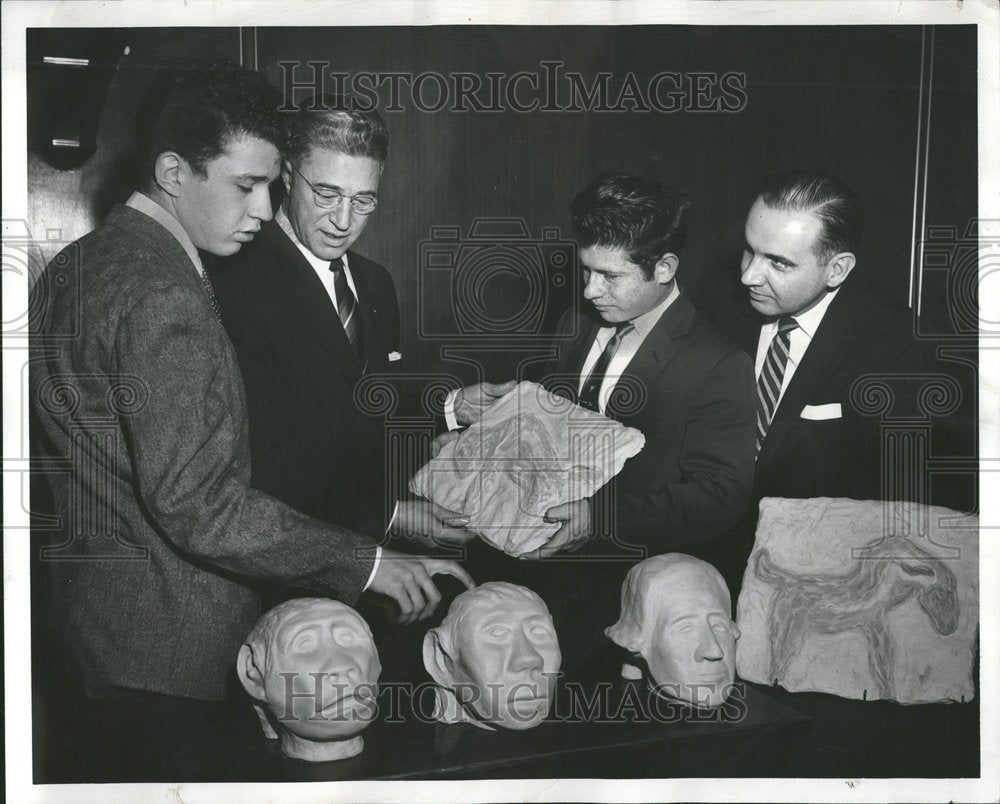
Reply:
x=311 y=667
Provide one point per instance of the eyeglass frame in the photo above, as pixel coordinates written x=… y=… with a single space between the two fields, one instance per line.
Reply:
x=337 y=196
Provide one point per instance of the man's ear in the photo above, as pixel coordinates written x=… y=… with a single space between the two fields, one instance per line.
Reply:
x=665 y=268
x=440 y=665
x=286 y=175
x=170 y=171
x=250 y=670
x=838 y=268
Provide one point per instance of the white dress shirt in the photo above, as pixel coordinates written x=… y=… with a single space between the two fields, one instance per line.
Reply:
x=321 y=267
x=799 y=340
x=627 y=349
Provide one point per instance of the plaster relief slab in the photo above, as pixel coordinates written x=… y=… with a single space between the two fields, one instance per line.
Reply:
x=530 y=451
x=862 y=599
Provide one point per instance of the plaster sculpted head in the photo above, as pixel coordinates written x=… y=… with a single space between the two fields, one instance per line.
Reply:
x=311 y=666
x=495 y=658
x=676 y=615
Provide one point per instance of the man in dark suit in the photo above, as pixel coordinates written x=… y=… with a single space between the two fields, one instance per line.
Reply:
x=677 y=378
x=814 y=330
x=309 y=317
x=160 y=534
x=639 y=353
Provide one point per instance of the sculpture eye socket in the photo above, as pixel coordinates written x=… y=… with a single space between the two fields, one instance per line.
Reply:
x=344 y=636
x=305 y=641
x=540 y=631
x=498 y=631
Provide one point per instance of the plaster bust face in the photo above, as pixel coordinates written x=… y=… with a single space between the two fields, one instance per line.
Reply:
x=496 y=655
x=675 y=614
x=313 y=664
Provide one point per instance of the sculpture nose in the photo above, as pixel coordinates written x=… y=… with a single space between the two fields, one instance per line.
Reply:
x=344 y=669
x=524 y=656
x=709 y=649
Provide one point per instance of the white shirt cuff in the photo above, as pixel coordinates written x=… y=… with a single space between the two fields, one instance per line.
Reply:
x=449 y=409
x=378 y=557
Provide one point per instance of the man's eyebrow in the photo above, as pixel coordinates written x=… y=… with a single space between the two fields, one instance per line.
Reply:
x=769 y=256
x=253 y=177
x=326 y=186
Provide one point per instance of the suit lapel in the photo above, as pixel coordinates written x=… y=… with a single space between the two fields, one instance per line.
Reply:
x=311 y=301
x=829 y=347
x=657 y=348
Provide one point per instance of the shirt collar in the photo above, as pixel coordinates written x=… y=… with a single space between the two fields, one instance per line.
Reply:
x=141 y=202
x=281 y=219
x=645 y=322
x=810 y=320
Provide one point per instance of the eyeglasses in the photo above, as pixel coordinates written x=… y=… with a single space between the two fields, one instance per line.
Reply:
x=328 y=198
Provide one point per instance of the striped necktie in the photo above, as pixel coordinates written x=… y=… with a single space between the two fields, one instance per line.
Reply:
x=590 y=393
x=771 y=375
x=346 y=308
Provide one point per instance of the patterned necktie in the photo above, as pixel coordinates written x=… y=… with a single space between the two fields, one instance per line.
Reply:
x=771 y=375
x=346 y=306
x=589 y=394
x=211 y=293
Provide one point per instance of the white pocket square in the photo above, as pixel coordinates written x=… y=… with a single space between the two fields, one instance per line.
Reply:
x=820 y=412
x=394 y=356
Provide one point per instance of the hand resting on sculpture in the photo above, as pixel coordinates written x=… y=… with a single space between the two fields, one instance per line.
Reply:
x=430 y=524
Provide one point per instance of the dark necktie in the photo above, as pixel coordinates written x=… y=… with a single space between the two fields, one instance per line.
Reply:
x=771 y=375
x=211 y=293
x=346 y=308
x=589 y=394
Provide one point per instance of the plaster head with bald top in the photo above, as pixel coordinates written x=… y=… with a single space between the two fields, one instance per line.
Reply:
x=495 y=658
x=311 y=667
x=675 y=614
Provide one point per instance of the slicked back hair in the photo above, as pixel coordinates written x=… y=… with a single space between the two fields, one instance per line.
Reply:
x=835 y=205
x=336 y=126
x=195 y=109
x=638 y=214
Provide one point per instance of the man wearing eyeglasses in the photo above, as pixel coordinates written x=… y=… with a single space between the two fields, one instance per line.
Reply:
x=310 y=317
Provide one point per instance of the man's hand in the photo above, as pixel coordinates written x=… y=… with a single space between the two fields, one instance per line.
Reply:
x=473 y=400
x=430 y=524
x=443 y=440
x=574 y=533
x=408 y=580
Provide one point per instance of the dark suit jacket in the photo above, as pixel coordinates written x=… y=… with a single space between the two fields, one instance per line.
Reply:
x=138 y=402
x=860 y=334
x=691 y=481
x=313 y=444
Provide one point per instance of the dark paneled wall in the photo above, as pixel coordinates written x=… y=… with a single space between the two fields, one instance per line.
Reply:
x=841 y=99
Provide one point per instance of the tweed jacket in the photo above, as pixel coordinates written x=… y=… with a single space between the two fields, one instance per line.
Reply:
x=141 y=427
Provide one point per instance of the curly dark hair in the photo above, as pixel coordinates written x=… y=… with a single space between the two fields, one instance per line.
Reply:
x=636 y=213
x=196 y=108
